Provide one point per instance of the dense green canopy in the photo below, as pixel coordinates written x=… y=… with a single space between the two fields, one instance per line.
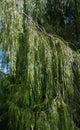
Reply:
x=42 y=90
x=42 y=94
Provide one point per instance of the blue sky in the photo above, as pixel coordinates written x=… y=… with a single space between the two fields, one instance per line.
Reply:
x=3 y=67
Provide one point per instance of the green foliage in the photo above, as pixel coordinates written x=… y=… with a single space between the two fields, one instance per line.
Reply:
x=45 y=87
x=40 y=91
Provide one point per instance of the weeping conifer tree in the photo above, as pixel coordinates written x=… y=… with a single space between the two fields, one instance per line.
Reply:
x=43 y=85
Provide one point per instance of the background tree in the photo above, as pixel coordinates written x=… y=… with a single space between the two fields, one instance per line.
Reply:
x=63 y=18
